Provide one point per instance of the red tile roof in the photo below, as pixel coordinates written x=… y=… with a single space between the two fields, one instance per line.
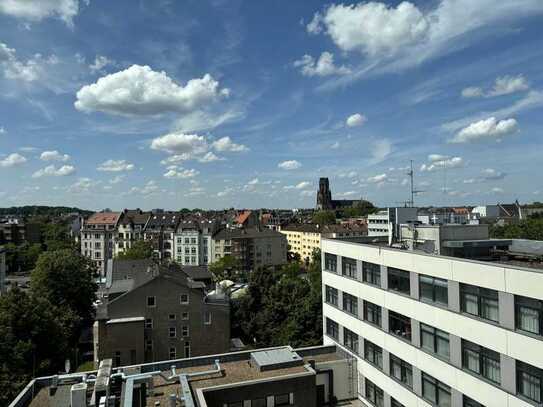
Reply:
x=242 y=217
x=103 y=218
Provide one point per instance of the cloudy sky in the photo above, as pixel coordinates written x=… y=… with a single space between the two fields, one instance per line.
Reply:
x=246 y=103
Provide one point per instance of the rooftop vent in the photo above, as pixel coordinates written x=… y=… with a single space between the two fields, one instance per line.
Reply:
x=275 y=359
x=78 y=395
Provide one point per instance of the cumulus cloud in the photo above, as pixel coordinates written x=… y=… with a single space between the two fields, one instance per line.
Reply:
x=179 y=143
x=27 y=71
x=54 y=155
x=149 y=188
x=83 y=185
x=377 y=179
x=116 y=180
x=140 y=91
x=2 y=130
x=324 y=66
x=289 y=165
x=486 y=129
x=504 y=85
x=350 y=174
x=300 y=185
x=100 y=62
x=12 y=160
x=472 y=92
x=115 y=166
x=181 y=173
x=226 y=144
x=355 y=120
x=52 y=171
x=497 y=190
x=210 y=156
x=490 y=174
x=66 y=10
x=437 y=162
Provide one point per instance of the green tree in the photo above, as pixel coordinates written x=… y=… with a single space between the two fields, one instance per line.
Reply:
x=140 y=250
x=324 y=217
x=65 y=278
x=227 y=268
x=531 y=228
x=56 y=236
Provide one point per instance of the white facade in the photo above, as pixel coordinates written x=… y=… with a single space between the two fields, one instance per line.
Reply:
x=408 y=311
x=192 y=243
x=387 y=221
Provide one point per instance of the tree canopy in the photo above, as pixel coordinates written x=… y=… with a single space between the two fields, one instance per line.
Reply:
x=227 y=268
x=140 y=250
x=324 y=217
x=531 y=228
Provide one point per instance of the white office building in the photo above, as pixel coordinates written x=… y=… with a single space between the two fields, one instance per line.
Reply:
x=387 y=221
x=430 y=330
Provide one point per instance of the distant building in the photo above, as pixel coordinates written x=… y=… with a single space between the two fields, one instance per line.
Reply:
x=325 y=201
x=97 y=238
x=246 y=219
x=159 y=313
x=130 y=229
x=502 y=213
x=193 y=241
x=387 y=222
x=160 y=230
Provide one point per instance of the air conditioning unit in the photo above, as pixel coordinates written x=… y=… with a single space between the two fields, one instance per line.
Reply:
x=78 y=395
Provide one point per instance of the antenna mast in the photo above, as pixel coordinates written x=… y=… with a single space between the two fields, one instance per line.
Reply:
x=413 y=190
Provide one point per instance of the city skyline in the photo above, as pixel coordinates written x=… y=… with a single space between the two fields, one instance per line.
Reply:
x=237 y=104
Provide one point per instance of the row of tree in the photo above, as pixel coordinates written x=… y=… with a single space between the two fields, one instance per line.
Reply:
x=531 y=228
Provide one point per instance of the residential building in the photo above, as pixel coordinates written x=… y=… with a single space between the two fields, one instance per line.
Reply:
x=387 y=222
x=246 y=219
x=160 y=230
x=430 y=330
x=2 y=270
x=503 y=213
x=271 y=377
x=304 y=239
x=159 y=314
x=130 y=228
x=193 y=241
x=97 y=238
x=252 y=247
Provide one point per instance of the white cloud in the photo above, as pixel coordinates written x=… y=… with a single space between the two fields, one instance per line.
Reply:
x=324 y=66
x=181 y=173
x=30 y=10
x=486 y=129
x=437 y=162
x=116 y=180
x=226 y=144
x=179 y=143
x=504 y=85
x=2 y=130
x=303 y=185
x=355 y=120
x=497 y=190
x=149 y=188
x=380 y=150
x=83 y=185
x=377 y=179
x=200 y=120
x=52 y=171
x=470 y=181
x=54 y=155
x=12 y=160
x=139 y=90
x=350 y=174
x=472 y=92
x=254 y=181
x=115 y=166
x=210 y=156
x=335 y=146
x=490 y=174
x=100 y=62
x=307 y=193
x=289 y=165
x=30 y=71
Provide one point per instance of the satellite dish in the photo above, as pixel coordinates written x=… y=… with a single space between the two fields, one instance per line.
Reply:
x=67 y=366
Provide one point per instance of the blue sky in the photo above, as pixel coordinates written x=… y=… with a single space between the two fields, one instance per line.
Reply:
x=245 y=103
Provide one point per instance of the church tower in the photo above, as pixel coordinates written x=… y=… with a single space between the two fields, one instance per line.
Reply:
x=324 y=195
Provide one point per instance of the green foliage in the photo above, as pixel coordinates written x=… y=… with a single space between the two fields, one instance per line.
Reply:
x=140 y=250
x=40 y=210
x=22 y=257
x=281 y=307
x=324 y=217
x=531 y=228
x=362 y=208
x=227 y=268
x=56 y=237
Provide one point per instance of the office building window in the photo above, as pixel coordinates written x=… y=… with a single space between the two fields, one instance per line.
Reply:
x=350 y=340
x=481 y=361
x=399 y=325
x=148 y=323
x=401 y=371
x=395 y=403
x=172 y=332
x=258 y=402
x=372 y=313
x=479 y=301
x=398 y=280
x=433 y=289
x=282 y=400
x=332 y=328
x=374 y=394
x=184 y=315
x=184 y=299
x=348 y=267
x=467 y=402
x=373 y=354
x=530 y=382
x=173 y=353
x=331 y=295
x=371 y=273
x=151 y=301
x=350 y=304
x=529 y=314
x=437 y=393
x=434 y=340
x=330 y=262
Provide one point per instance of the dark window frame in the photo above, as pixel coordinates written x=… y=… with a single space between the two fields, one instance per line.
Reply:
x=484 y=296
x=373 y=354
x=348 y=267
x=330 y=262
x=371 y=273
x=405 y=369
x=532 y=304
x=281 y=403
x=438 y=385
x=534 y=373
x=378 y=398
x=436 y=335
x=485 y=356
x=350 y=303
x=433 y=288
x=351 y=340
x=331 y=295
x=469 y=402
x=399 y=280
x=372 y=313
x=399 y=318
x=332 y=328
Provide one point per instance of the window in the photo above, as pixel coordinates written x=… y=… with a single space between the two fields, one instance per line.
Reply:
x=282 y=400
x=184 y=315
x=149 y=345
x=187 y=349
x=398 y=280
x=434 y=340
x=258 y=402
x=467 y=402
x=374 y=394
x=185 y=330
x=529 y=314
x=395 y=403
x=373 y=354
x=184 y=299
x=151 y=301
x=332 y=328
x=173 y=353
x=371 y=273
x=481 y=361
x=435 y=392
x=350 y=340
x=348 y=267
x=172 y=332
x=401 y=371
x=372 y=313
x=331 y=295
x=433 y=289
x=207 y=318
x=529 y=382
x=148 y=323
x=350 y=304
x=479 y=301
x=399 y=325
x=330 y=262
x=117 y=359
x=171 y=317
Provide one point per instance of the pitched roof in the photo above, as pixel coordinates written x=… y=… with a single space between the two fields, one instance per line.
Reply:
x=103 y=218
x=242 y=217
x=235 y=233
x=167 y=219
x=135 y=216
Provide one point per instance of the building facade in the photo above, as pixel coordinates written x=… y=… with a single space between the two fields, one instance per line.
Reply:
x=325 y=201
x=97 y=238
x=387 y=221
x=430 y=330
x=193 y=242
x=160 y=230
x=130 y=228
x=2 y=270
